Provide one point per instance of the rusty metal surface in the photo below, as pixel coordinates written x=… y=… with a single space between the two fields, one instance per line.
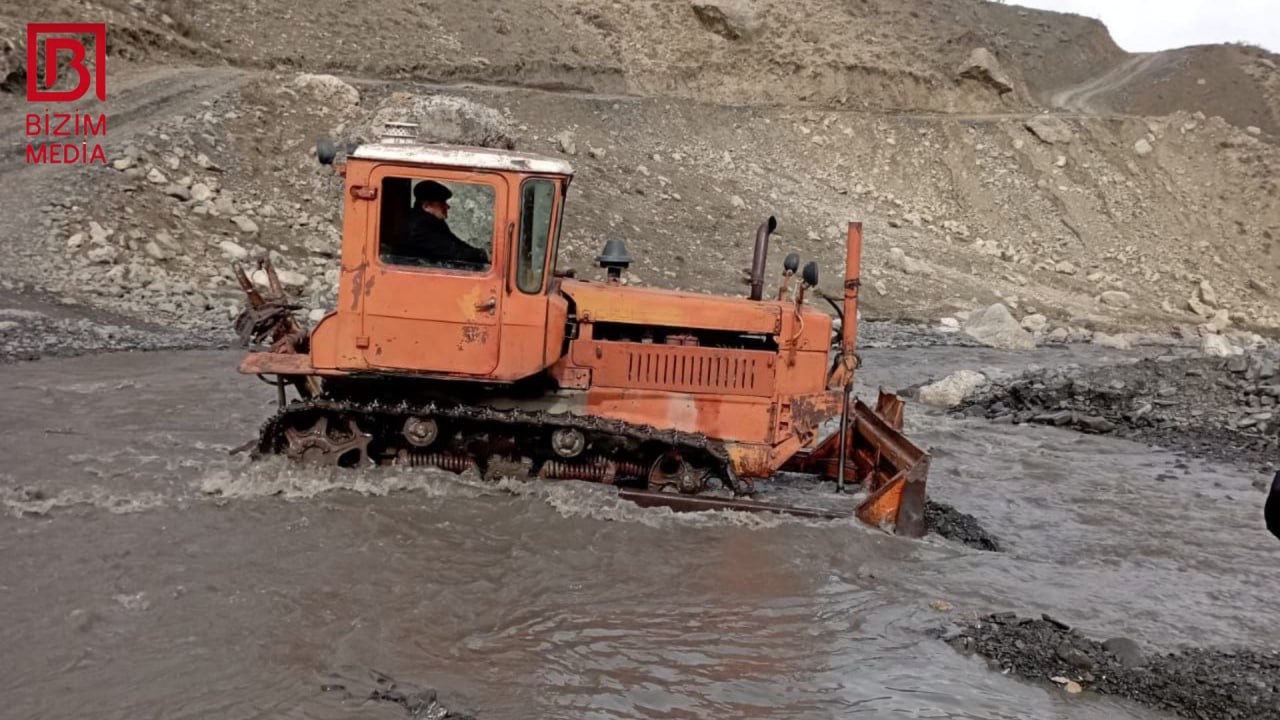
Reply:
x=269 y=363
x=597 y=302
x=881 y=459
x=678 y=368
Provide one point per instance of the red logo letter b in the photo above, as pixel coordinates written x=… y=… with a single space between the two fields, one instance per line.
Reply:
x=36 y=93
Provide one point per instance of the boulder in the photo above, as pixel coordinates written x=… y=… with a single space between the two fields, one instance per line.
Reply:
x=981 y=65
x=1207 y=294
x=996 y=327
x=1050 y=130
x=907 y=265
x=952 y=390
x=232 y=250
x=445 y=119
x=1219 y=346
x=1220 y=321
x=328 y=89
x=292 y=280
x=730 y=19
x=244 y=224
x=200 y=192
x=566 y=144
x=1115 y=342
x=1035 y=323
x=1115 y=298
x=104 y=255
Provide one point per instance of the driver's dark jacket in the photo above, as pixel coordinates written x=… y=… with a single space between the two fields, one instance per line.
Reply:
x=429 y=238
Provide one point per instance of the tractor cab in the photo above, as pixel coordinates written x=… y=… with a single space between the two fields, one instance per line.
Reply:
x=448 y=255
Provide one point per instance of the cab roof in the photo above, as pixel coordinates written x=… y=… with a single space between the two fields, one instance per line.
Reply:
x=462 y=156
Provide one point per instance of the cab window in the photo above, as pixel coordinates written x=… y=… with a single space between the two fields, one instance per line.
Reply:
x=436 y=224
x=537 y=200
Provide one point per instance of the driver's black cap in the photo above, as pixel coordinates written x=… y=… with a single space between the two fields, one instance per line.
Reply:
x=431 y=191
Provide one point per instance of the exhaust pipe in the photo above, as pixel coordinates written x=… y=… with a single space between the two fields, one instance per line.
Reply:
x=761 y=255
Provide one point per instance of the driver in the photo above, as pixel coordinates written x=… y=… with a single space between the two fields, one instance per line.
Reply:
x=428 y=236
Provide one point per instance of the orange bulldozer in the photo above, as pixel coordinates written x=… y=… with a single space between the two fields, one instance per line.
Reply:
x=479 y=354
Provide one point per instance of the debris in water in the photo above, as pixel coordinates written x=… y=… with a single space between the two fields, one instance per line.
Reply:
x=952 y=524
x=1241 y=683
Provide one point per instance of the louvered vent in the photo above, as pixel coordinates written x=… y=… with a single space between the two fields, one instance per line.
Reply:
x=692 y=371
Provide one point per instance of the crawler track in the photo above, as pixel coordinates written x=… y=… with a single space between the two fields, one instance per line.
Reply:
x=652 y=467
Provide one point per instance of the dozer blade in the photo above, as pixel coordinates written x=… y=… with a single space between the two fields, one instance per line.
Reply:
x=879 y=458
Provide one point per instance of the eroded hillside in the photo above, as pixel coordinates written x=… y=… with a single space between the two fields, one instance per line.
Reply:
x=1058 y=174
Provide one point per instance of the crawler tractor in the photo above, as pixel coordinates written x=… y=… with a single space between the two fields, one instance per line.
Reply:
x=511 y=366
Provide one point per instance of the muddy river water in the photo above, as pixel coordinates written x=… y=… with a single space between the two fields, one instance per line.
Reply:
x=148 y=574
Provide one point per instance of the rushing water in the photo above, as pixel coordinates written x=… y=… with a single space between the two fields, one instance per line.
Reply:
x=147 y=573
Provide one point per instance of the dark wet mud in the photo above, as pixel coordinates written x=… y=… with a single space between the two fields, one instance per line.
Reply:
x=1225 y=409
x=952 y=524
x=1194 y=683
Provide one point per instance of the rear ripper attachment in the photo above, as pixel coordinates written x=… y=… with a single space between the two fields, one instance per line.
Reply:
x=511 y=367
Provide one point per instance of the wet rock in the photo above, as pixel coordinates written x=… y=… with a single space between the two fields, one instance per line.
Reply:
x=1195 y=682
x=730 y=19
x=945 y=521
x=952 y=390
x=1194 y=404
x=1095 y=424
x=1125 y=650
x=995 y=326
x=981 y=65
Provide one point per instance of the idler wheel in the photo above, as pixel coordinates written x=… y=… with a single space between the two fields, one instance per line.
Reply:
x=568 y=442
x=420 y=432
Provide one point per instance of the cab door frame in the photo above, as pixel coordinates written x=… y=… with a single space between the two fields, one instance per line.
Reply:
x=434 y=320
x=526 y=316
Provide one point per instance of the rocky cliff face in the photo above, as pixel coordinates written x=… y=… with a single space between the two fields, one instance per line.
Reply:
x=994 y=153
